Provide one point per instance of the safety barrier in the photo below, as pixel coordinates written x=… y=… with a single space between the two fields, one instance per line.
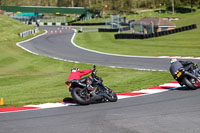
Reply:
x=65 y=24
x=107 y=30
x=114 y=30
x=90 y=24
x=28 y=32
x=86 y=24
x=156 y=34
x=69 y=23
x=48 y=23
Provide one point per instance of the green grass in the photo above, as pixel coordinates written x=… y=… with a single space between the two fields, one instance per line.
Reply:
x=31 y=79
x=180 y=44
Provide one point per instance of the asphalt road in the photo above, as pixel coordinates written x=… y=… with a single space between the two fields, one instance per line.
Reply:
x=59 y=45
x=176 y=111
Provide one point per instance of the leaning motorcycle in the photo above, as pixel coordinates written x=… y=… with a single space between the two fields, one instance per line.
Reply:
x=84 y=95
x=189 y=79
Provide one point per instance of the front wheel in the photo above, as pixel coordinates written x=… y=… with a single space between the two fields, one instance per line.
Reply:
x=111 y=96
x=81 y=96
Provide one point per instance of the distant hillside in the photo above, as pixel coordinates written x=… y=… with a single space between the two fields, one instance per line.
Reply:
x=10 y=29
x=115 y=5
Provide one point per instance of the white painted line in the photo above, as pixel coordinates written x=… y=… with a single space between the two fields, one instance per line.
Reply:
x=122 y=96
x=51 y=105
x=151 y=91
x=18 y=44
x=171 y=85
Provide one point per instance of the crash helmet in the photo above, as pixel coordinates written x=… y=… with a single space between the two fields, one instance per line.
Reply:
x=74 y=69
x=173 y=60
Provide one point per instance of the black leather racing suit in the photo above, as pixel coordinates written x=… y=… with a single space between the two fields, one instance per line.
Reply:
x=176 y=66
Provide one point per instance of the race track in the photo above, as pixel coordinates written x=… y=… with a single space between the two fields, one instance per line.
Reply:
x=168 y=112
x=174 y=111
x=60 y=46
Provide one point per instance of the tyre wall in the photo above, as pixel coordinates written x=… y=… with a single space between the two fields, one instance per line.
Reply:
x=156 y=34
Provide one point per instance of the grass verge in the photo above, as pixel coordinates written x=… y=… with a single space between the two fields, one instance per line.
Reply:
x=31 y=79
x=180 y=44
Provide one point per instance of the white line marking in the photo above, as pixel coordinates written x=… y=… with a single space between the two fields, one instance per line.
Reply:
x=18 y=44
x=51 y=105
x=72 y=41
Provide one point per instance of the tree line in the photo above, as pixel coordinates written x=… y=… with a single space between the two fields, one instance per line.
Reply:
x=120 y=5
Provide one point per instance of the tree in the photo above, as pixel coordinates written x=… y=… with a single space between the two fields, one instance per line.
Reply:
x=191 y=4
x=72 y=3
x=173 y=7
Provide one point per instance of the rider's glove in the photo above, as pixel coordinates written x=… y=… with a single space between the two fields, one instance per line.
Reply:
x=195 y=65
x=94 y=70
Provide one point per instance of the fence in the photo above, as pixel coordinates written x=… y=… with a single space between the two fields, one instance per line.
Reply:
x=54 y=19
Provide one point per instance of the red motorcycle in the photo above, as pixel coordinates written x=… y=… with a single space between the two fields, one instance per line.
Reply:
x=94 y=92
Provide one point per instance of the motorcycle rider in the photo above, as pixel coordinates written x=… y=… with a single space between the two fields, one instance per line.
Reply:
x=188 y=66
x=77 y=74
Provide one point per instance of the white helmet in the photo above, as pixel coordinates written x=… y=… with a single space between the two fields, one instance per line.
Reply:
x=173 y=60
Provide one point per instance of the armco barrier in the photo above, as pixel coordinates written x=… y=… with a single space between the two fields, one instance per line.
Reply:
x=72 y=24
x=114 y=30
x=26 y=33
x=49 y=23
x=65 y=24
x=156 y=34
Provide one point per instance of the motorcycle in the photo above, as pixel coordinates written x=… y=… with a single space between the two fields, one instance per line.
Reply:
x=189 y=79
x=94 y=92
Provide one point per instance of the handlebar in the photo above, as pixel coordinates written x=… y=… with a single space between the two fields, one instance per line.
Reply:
x=94 y=71
x=94 y=66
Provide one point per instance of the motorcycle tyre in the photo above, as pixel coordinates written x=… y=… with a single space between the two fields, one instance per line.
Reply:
x=77 y=98
x=112 y=97
x=188 y=84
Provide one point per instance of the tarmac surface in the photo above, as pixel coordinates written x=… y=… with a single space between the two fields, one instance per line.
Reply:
x=176 y=111
x=59 y=45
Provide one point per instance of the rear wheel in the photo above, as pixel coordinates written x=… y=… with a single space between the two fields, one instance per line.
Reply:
x=190 y=83
x=81 y=96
